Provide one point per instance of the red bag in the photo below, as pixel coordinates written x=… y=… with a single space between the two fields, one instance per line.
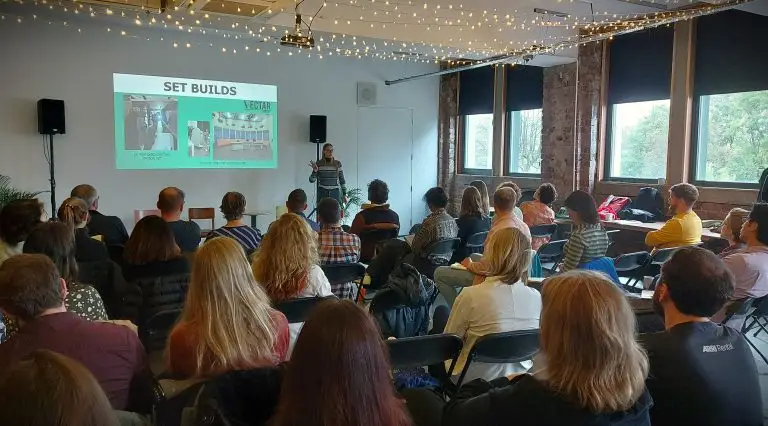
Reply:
x=612 y=205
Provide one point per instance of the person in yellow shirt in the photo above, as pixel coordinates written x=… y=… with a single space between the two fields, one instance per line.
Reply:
x=684 y=228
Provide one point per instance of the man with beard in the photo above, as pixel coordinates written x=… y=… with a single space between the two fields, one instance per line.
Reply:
x=701 y=373
x=684 y=228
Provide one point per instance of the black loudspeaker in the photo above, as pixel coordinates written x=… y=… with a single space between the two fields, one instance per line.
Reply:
x=317 y=125
x=50 y=117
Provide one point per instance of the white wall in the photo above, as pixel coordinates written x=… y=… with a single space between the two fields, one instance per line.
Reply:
x=50 y=61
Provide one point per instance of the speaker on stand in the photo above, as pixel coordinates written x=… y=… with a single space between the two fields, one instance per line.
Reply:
x=51 y=121
x=317 y=135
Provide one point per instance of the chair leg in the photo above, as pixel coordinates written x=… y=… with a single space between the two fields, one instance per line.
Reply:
x=761 y=327
x=756 y=350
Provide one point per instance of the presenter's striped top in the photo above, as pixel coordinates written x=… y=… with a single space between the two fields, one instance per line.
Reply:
x=329 y=175
x=248 y=237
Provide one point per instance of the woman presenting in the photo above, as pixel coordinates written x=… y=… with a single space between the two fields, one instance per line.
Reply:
x=329 y=176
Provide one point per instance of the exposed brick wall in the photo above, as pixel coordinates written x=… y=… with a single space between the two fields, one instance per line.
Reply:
x=588 y=78
x=557 y=135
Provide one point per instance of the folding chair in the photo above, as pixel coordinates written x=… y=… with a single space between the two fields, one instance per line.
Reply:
x=154 y=332
x=345 y=273
x=433 y=254
x=743 y=308
x=141 y=214
x=632 y=265
x=526 y=195
x=658 y=258
x=550 y=255
x=758 y=317
x=203 y=213
x=502 y=348
x=297 y=310
x=543 y=231
x=421 y=351
x=371 y=238
x=476 y=242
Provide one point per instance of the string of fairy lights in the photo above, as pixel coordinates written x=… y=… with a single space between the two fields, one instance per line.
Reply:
x=467 y=30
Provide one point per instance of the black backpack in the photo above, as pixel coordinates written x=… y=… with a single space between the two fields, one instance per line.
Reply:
x=648 y=206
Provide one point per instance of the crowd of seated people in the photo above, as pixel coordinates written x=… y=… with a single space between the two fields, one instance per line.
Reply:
x=592 y=368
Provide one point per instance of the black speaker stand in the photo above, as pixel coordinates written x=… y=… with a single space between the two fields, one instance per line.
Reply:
x=52 y=178
x=317 y=182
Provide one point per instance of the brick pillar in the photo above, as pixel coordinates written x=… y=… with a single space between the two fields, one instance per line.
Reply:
x=557 y=141
x=588 y=79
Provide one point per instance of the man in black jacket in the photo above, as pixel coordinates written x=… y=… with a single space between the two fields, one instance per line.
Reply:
x=111 y=228
x=701 y=373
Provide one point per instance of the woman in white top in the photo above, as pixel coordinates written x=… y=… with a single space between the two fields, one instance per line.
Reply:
x=286 y=264
x=502 y=302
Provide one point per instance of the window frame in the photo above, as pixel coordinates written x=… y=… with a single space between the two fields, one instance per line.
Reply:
x=694 y=153
x=508 y=148
x=462 y=125
x=608 y=151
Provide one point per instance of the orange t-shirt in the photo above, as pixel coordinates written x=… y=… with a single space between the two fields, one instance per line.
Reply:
x=183 y=342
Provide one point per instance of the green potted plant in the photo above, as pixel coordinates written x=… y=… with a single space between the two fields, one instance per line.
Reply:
x=8 y=193
x=353 y=201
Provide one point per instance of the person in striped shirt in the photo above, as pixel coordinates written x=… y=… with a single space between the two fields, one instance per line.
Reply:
x=336 y=246
x=329 y=176
x=588 y=240
x=233 y=206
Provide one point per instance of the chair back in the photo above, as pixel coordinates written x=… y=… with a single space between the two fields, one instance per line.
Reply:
x=552 y=251
x=297 y=310
x=154 y=332
x=442 y=248
x=420 y=351
x=526 y=195
x=659 y=257
x=543 y=231
x=141 y=214
x=343 y=273
x=203 y=213
x=628 y=264
x=370 y=239
x=116 y=252
x=476 y=242
x=502 y=348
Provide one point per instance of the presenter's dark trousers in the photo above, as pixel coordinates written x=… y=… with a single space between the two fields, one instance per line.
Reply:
x=329 y=193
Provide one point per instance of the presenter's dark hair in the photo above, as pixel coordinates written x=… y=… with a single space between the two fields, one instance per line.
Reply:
x=18 y=218
x=698 y=281
x=233 y=205
x=759 y=215
x=152 y=240
x=329 y=211
x=436 y=197
x=57 y=241
x=343 y=338
x=378 y=191
x=583 y=204
x=170 y=199
x=297 y=200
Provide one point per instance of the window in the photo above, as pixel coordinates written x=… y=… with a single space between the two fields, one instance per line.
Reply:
x=732 y=137
x=524 y=142
x=638 y=140
x=478 y=144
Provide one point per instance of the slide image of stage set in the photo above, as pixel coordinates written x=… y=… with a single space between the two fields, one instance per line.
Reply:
x=150 y=123
x=239 y=136
x=199 y=138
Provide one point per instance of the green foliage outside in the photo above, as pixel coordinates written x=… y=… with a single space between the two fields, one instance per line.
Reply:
x=644 y=151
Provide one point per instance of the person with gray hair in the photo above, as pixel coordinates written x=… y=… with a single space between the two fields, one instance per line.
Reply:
x=111 y=228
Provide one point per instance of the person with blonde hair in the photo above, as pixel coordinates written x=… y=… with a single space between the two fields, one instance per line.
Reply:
x=731 y=231
x=227 y=323
x=593 y=371
x=47 y=388
x=500 y=303
x=74 y=212
x=286 y=265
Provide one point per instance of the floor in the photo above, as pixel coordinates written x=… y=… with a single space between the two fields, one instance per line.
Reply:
x=761 y=341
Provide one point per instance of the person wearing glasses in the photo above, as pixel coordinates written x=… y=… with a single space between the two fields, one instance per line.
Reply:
x=329 y=176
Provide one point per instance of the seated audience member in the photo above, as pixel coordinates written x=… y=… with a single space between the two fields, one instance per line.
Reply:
x=588 y=240
x=518 y=194
x=438 y=225
x=346 y=390
x=731 y=231
x=500 y=303
x=336 y=246
x=701 y=373
x=447 y=278
x=233 y=207
x=375 y=215
x=684 y=229
x=594 y=370
x=297 y=204
x=17 y=219
x=227 y=323
x=171 y=205
x=471 y=220
x=55 y=240
x=538 y=212
x=74 y=212
x=111 y=228
x=151 y=251
x=47 y=388
x=750 y=266
x=33 y=292
x=482 y=188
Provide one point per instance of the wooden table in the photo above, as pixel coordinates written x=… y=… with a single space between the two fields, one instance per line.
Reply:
x=634 y=225
x=254 y=214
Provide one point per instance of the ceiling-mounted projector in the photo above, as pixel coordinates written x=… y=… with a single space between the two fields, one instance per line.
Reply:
x=297 y=39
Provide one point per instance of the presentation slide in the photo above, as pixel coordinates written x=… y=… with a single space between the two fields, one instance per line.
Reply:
x=180 y=123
